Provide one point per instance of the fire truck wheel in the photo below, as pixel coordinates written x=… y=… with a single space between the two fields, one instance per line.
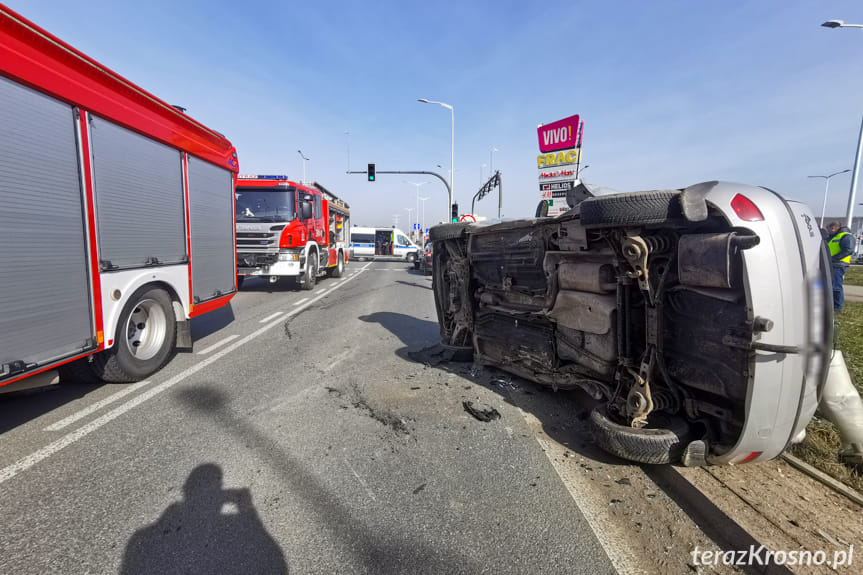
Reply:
x=311 y=278
x=340 y=266
x=145 y=337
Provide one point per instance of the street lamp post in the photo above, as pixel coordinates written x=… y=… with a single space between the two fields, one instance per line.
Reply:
x=491 y=160
x=418 y=185
x=452 y=146
x=854 y=175
x=423 y=227
x=305 y=159
x=409 y=210
x=826 y=187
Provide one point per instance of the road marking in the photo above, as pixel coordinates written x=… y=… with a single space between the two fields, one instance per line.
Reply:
x=271 y=316
x=360 y=479
x=301 y=301
x=616 y=545
x=95 y=407
x=29 y=461
x=218 y=344
x=338 y=359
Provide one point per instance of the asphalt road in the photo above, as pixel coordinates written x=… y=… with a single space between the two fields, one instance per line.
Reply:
x=305 y=442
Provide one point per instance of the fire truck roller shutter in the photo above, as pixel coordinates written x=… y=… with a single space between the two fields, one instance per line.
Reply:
x=211 y=203
x=45 y=309
x=140 y=209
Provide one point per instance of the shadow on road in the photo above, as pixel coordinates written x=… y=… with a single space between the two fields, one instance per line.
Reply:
x=212 y=322
x=212 y=530
x=376 y=551
x=20 y=407
x=413 y=332
x=412 y=284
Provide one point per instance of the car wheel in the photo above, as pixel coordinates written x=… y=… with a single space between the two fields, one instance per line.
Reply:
x=311 y=278
x=145 y=337
x=412 y=257
x=646 y=445
x=340 y=267
x=633 y=209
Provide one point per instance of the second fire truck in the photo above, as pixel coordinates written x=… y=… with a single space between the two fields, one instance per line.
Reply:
x=288 y=229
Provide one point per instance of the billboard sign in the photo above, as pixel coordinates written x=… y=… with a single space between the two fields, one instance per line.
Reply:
x=559 y=135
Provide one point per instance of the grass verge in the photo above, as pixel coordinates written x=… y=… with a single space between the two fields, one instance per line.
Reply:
x=821 y=446
x=854 y=276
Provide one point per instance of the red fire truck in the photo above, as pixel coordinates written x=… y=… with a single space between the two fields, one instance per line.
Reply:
x=288 y=229
x=117 y=219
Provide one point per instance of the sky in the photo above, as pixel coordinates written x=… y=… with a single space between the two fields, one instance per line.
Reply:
x=672 y=93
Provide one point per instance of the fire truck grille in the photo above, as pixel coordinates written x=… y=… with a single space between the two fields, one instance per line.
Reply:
x=257 y=241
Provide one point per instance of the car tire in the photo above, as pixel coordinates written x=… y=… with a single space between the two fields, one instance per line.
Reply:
x=340 y=267
x=144 y=339
x=411 y=257
x=645 y=445
x=311 y=278
x=448 y=231
x=633 y=209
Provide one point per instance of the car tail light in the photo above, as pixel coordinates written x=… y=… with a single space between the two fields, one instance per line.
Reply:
x=746 y=210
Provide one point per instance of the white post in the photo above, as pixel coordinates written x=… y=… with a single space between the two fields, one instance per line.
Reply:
x=854 y=176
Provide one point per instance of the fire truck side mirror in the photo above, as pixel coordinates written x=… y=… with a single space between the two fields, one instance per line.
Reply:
x=306 y=212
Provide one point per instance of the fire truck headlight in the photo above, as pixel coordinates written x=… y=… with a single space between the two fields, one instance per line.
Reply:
x=288 y=257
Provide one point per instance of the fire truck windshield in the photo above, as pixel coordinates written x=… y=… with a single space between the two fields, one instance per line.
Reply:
x=262 y=205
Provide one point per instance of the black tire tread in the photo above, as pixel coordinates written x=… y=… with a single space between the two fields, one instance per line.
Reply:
x=449 y=231
x=632 y=209
x=653 y=446
x=311 y=279
x=338 y=270
x=108 y=366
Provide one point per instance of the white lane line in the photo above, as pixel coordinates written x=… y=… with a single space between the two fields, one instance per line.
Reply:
x=301 y=301
x=338 y=359
x=615 y=543
x=95 y=407
x=360 y=479
x=29 y=461
x=271 y=316
x=218 y=344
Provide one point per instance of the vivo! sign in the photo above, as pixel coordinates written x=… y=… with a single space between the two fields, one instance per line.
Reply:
x=560 y=135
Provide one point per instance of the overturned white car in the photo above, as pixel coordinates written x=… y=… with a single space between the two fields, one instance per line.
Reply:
x=700 y=317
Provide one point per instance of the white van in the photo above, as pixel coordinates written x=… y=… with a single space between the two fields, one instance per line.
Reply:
x=382 y=242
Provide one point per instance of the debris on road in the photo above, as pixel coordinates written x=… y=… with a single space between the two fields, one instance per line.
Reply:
x=481 y=411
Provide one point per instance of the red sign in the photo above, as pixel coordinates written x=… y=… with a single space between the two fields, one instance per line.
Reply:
x=560 y=135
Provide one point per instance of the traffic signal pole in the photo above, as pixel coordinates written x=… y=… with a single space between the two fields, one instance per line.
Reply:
x=438 y=176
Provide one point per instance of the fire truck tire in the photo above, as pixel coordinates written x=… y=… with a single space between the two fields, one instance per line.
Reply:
x=308 y=282
x=145 y=337
x=337 y=271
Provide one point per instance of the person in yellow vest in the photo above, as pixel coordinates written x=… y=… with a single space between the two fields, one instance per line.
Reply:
x=841 y=244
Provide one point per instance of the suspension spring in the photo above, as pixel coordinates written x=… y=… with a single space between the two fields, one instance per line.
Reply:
x=664 y=401
x=657 y=244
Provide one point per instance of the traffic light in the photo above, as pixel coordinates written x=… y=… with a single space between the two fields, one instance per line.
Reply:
x=371 y=172
x=455 y=212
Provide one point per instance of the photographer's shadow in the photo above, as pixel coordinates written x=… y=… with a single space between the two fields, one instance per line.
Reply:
x=212 y=530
